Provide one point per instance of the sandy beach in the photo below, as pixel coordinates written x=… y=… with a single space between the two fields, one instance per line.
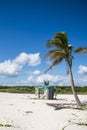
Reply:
x=25 y=112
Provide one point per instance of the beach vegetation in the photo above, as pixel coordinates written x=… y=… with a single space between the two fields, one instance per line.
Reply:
x=31 y=89
x=17 y=89
x=82 y=123
x=5 y=125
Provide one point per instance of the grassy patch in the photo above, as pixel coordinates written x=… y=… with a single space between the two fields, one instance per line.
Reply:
x=84 y=107
x=1 y=125
x=81 y=123
x=5 y=125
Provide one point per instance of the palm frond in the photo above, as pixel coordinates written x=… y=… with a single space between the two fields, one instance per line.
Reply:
x=55 y=62
x=60 y=41
x=81 y=50
x=54 y=43
x=62 y=36
x=62 y=50
x=53 y=54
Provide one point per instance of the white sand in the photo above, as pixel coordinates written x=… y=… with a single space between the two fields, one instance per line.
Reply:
x=24 y=113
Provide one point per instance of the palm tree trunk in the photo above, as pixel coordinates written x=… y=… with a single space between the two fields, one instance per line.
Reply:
x=73 y=87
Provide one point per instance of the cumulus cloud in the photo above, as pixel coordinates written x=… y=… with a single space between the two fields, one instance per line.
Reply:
x=58 y=80
x=36 y=72
x=21 y=59
x=9 y=68
x=48 y=77
x=31 y=59
x=34 y=59
x=81 y=81
x=82 y=69
x=39 y=79
x=13 y=67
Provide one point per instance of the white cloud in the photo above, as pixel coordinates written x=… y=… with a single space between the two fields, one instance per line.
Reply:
x=21 y=59
x=82 y=69
x=48 y=77
x=9 y=68
x=36 y=72
x=34 y=59
x=30 y=79
x=31 y=59
x=13 y=67
x=39 y=79
x=81 y=81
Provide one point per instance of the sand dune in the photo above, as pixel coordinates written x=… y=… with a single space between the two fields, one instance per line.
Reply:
x=24 y=112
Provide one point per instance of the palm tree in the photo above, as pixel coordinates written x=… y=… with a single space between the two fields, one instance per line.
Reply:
x=63 y=51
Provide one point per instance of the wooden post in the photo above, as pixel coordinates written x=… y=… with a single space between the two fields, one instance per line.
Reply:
x=37 y=92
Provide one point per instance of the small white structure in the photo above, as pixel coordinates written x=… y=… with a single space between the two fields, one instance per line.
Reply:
x=37 y=92
x=48 y=92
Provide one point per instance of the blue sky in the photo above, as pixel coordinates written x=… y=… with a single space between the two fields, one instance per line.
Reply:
x=25 y=26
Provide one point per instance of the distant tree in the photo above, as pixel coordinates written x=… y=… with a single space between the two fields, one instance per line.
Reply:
x=63 y=51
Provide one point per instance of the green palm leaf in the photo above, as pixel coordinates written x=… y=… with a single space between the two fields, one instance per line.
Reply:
x=55 y=62
x=81 y=50
x=53 y=54
x=62 y=36
x=60 y=41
